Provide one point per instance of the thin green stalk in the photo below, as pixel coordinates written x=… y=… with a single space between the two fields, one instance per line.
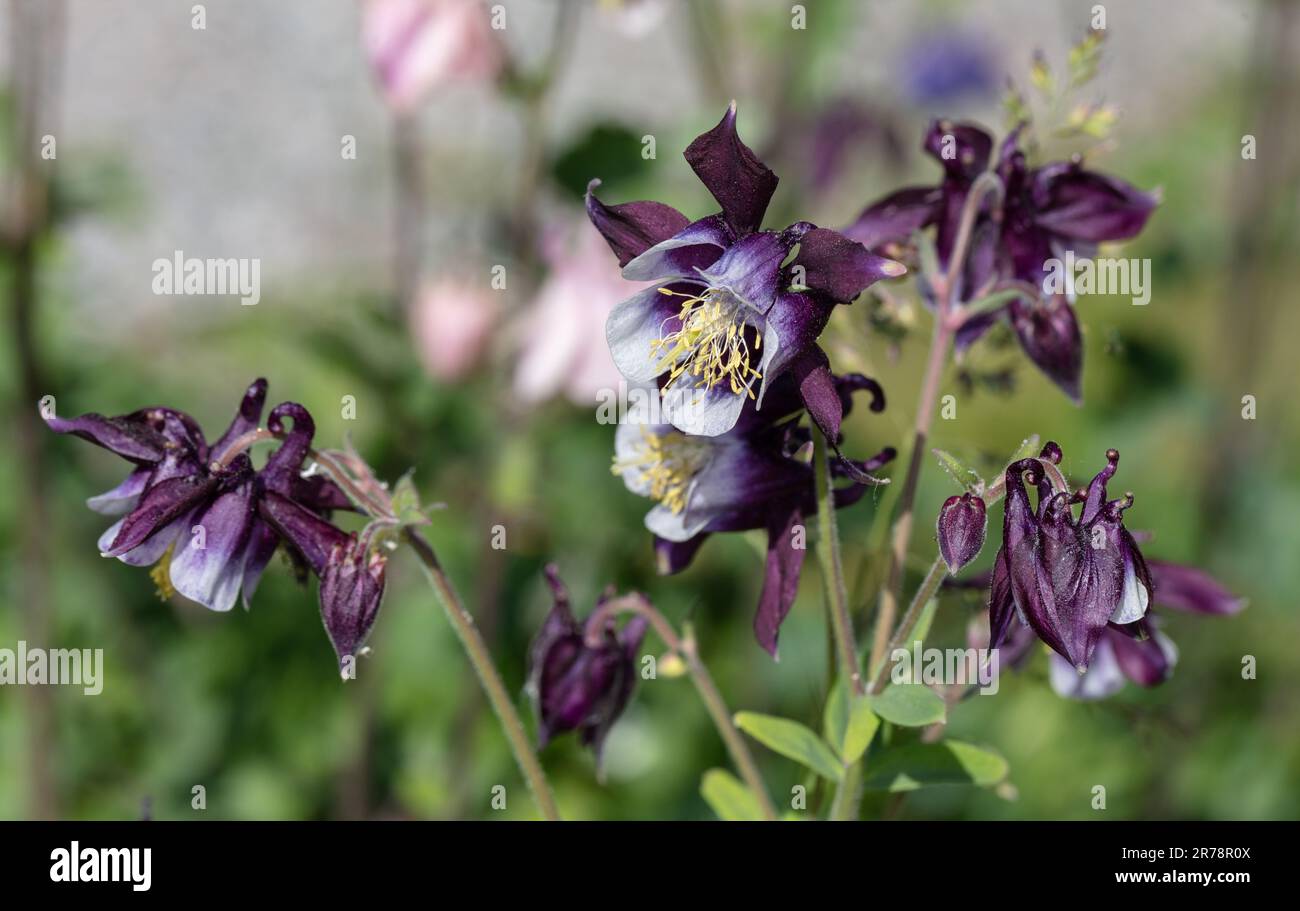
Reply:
x=929 y=585
x=828 y=554
x=481 y=659
x=946 y=289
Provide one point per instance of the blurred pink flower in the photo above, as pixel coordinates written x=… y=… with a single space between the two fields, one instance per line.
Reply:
x=451 y=323
x=564 y=348
x=418 y=45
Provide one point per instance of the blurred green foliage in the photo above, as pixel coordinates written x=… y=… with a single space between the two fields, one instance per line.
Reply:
x=250 y=706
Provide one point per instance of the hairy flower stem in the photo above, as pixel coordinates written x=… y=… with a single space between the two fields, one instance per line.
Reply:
x=708 y=690
x=929 y=585
x=946 y=288
x=892 y=590
x=845 y=803
x=832 y=565
x=481 y=659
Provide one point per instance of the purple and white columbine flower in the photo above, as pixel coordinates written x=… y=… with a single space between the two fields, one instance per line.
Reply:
x=747 y=478
x=730 y=310
x=1044 y=213
x=196 y=510
x=1066 y=578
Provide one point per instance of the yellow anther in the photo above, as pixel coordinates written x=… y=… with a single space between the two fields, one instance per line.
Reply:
x=667 y=462
x=711 y=343
x=162 y=574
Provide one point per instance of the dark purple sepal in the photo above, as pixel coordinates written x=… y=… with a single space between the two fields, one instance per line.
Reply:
x=894 y=219
x=1187 y=588
x=631 y=228
x=310 y=535
x=168 y=500
x=1049 y=334
x=963 y=156
x=129 y=436
x=1086 y=206
x=730 y=170
x=1147 y=662
x=781 y=577
x=841 y=268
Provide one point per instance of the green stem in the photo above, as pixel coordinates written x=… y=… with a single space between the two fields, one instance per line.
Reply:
x=845 y=805
x=947 y=317
x=929 y=585
x=828 y=553
x=704 y=685
x=481 y=659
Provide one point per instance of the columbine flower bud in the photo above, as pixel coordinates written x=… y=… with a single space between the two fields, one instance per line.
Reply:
x=961 y=525
x=351 y=588
x=581 y=675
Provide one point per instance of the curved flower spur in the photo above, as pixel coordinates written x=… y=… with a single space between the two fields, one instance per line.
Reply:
x=747 y=478
x=733 y=307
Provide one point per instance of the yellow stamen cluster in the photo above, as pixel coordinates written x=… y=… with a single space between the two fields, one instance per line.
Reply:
x=162 y=574
x=667 y=462
x=711 y=344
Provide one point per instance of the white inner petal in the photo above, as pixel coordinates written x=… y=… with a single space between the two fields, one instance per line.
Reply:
x=1134 y=599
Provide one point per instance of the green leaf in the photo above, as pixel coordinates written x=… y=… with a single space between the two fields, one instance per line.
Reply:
x=963 y=474
x=919 y=765
x=849 y=723
x=792 y=739
x=727 y=797
x=910 y=705
x=406 y=501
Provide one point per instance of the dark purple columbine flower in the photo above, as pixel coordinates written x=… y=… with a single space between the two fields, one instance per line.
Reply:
x=351 y=588
x=581 y=675
x=193 y=508
x=748 y=478
x=1064 y=577
x=727 y=313
x=1045 y=212
x=960 y=530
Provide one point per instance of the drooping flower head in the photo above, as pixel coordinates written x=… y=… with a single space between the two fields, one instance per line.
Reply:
x=747 y=478
x=730 y=309
x=581 y=674
x=1067 y=578
x=193 y=509
x=1043 y=213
